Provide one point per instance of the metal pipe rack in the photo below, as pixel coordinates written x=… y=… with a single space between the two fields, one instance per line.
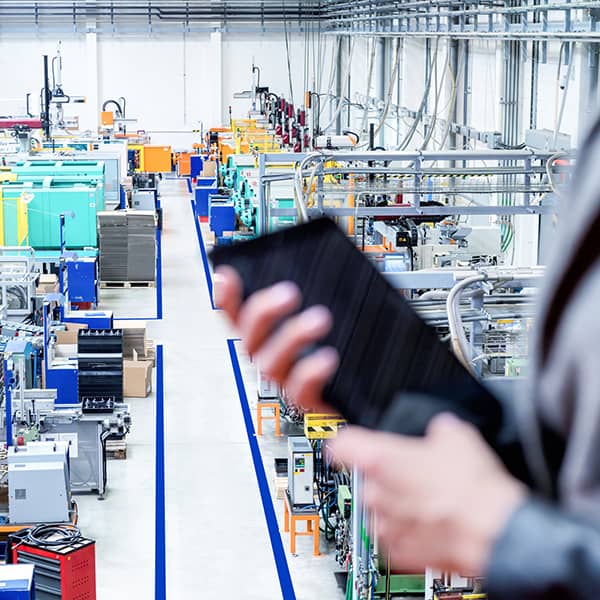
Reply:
x=517 y=174
x=465 y=19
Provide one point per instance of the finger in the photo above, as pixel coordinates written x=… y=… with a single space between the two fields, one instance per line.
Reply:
x=265 y=309
x=411 y=556
x=280 y=352
x=388 y=529
x=446 y=424
x=309 y=376
x=377 y=499
x=372 y=451
x=448 y=430
x=227 y=291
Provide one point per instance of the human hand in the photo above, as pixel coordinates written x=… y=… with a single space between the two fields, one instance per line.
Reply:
x=275 y=336
x=439 y=501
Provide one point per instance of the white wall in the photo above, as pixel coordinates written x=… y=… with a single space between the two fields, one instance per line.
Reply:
x=172 y=83
x=177 y=82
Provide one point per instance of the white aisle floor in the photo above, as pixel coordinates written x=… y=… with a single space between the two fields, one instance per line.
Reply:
x=217 y=540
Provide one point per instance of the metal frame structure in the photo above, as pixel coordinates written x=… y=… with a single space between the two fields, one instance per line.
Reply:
x=416 y=168
x=524 y=19
x=18 y=272
x=158 y=16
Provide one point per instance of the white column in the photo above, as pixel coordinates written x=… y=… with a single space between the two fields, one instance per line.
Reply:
x=219 y=113
x=90 y=115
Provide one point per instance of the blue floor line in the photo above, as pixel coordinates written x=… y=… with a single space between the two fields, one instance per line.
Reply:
x=160 y=560
x=283 y=571
x=209 y=281
x=159 y=290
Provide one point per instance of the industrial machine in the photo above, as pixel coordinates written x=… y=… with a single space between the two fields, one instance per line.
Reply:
x=56 y=414
x=300 y=472
x=18 y=276
x=90 y=432
x=84 y=428
x=31 y=208
x=58 y=98
x=81 y=285
x=39 y=483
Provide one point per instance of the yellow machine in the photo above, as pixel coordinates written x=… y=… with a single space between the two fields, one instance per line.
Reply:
x=321 y=426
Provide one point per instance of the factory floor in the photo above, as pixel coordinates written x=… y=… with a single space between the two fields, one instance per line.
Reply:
x=220 y=541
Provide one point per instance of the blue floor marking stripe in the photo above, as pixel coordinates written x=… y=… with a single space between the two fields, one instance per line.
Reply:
x=160 y=559
x=283 y=571
x=159 y=290
x=209 y=282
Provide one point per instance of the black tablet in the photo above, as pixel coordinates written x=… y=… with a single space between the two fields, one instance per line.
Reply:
x=386 y=350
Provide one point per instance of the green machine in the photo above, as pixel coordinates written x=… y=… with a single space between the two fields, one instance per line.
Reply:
x=57 y=181
x=80 y=168
x=40 y=202
x=240 y=175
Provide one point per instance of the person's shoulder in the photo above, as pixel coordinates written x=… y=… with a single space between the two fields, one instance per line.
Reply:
x=580 y=322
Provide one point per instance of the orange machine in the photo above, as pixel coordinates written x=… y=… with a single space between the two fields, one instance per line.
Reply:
x=152 y=159
x=184 y=164
x=157 y=159
x=107 y=118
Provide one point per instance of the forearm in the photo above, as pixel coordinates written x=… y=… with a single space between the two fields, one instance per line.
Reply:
x=544 y=554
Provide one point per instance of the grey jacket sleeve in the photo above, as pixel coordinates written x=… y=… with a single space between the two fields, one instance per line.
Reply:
x=545 y=554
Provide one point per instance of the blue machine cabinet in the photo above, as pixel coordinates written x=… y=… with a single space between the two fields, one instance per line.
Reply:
x=221 y=217
x=63 y=379
x=16 y=582
x=205 y=187
x=82 y=280
x=94 y=319
x=196 y=165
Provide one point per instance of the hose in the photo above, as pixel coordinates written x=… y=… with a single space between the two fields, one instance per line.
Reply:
x=563 y=103
x=119 y=108
x=49 y=536
x=458 y=339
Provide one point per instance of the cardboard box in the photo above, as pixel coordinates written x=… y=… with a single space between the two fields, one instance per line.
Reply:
x=134 y=338
x=137 y=378
x=48 y=284
x=209 y=169
x=69 y=337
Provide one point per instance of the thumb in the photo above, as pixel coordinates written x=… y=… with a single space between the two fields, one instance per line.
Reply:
x=446 y=424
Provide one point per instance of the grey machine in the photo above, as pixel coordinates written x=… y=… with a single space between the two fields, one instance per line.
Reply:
x=39 y=489
x=300 y=472
x=85 y=433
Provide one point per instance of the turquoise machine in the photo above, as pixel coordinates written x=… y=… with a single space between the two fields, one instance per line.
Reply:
x=48 y=189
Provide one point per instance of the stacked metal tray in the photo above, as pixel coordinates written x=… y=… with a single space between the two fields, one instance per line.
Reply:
x=100 y=356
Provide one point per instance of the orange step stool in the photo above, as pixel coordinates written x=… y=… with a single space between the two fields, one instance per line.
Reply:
x=276 y=416
x=291 y=517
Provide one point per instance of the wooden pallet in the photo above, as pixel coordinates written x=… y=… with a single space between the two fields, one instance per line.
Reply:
x=127 y=284
x=116 y=449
